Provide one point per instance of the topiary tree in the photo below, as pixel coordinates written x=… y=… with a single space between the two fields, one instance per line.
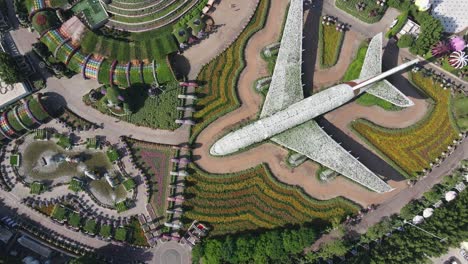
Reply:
x=9 y=70
x=405 y=41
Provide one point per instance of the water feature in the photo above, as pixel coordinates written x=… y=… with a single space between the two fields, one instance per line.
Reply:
x=105 y=193
x=46 y=161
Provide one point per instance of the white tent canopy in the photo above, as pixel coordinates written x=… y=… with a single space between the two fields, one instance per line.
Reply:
x=428 y=212
x=418 y=219
x=449 y=196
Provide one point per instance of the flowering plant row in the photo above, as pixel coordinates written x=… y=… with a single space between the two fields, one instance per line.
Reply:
x=220 y=92
x=415 y=147
x=254 y=199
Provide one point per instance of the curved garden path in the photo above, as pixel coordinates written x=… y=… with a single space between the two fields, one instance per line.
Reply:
x=274 y=156
x=231 y=22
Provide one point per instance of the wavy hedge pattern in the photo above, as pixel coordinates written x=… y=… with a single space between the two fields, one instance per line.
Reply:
x=220 y=93
x=414 y=147
x=254 y=199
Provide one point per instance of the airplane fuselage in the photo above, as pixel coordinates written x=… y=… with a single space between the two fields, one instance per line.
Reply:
x=283 y=120
x=297 y=114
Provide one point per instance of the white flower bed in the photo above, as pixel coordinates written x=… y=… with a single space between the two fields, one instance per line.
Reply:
x=310 y=140
x=286 y=84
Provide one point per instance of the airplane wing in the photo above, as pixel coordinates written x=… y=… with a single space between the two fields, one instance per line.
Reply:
x=286 y=84
x=310 y=140
x=373 y=66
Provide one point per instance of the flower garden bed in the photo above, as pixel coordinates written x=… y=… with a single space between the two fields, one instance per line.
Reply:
x=414 y=147
x=155 y=162
x=74 y=121
x=330 y=42
x=220 y=93
x=254 y=199
x=159 y=112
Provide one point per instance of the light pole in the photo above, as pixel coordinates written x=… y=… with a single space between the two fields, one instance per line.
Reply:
x=427 y=232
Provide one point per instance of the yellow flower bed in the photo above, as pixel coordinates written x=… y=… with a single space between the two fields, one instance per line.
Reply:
x=414 y=147
x=330 y=45
x=254 y=199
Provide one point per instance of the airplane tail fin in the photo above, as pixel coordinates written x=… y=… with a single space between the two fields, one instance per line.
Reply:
x=372 y=67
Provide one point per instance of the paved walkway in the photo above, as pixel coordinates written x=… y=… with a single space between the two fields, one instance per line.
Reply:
x=231 y=22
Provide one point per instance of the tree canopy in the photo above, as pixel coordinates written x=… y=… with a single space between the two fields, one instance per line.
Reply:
x=415 y=246
x=9 y=70
x=272 y=246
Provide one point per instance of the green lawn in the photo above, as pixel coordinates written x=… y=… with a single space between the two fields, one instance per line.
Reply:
x=105 y=231
x=349 y=6
x=129 y=184
x=121 y=206
x=90 y=226
x=120 y=234
x=137 y=236
x=15 y=160
x=59 y=213
x=63 y=141
x=75 y=185
x=112 y=155
x=92 y=10
x=74 y=219
x=461 y=111
x=354 y=69
x=36 y=188
x=157 y=47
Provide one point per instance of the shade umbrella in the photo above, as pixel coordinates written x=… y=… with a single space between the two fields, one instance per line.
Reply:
x=449 y=196
x=418 y=219
x=428 y=212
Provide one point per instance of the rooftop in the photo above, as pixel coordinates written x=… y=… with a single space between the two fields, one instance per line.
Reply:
x=93 y=11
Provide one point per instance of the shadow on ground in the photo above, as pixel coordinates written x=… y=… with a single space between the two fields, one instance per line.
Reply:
x=310 y=46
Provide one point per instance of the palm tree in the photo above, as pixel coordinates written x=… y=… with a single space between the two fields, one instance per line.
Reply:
x=440 y=49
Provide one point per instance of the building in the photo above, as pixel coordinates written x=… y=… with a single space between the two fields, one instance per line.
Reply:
x=410 y=28
x=12 y=93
